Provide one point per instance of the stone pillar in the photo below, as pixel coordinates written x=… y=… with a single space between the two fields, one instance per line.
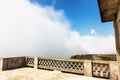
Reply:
x=88 y=68
x=117 y=42
x=117 y=38
x=36 y=62
x=1 y=64
x=113 y=70
x=4 y=63
x=118 y=61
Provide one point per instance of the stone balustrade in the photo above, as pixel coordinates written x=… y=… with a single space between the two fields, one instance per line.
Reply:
x=91 y=68
x=30 y=61
x=101 y=69
x=75 y=66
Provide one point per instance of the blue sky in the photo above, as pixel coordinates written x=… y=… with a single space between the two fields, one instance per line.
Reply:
x=83 y=15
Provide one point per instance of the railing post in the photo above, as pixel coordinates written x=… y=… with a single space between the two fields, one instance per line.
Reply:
x=88 y=68
x=36 y=62
x=4 y=63
x=113 y=70
x=26 y=61
x=1 y=64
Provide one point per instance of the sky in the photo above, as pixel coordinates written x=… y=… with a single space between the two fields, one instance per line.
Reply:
x=53 y=28
x=83 y=14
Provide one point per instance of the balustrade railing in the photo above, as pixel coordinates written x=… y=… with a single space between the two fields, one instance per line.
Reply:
x=101 y=69
x=75 y=66
x=30 y=61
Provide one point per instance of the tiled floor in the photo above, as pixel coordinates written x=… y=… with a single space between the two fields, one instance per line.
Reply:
x=32 y=74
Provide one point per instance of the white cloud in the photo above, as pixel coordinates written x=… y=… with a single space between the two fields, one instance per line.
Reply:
x=92 y=32
x=93 y=44
x=30 y=29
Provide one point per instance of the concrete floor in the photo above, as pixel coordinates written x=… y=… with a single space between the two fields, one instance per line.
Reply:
x=32 y=74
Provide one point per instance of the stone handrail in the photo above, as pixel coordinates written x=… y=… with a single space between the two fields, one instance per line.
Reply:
x=95 y=68
x=101 y=69
x=105 y=69
x=91 y=68
x=30 y=61
x=67 y=65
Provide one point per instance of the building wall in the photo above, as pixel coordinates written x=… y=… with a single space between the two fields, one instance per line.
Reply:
x=118 y=24
x=117 y=36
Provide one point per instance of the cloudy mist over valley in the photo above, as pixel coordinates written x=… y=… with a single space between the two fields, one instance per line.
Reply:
x=30 y=29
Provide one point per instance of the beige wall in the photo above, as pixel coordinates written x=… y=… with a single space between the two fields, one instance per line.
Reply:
x=117 y=37
x=118 y=27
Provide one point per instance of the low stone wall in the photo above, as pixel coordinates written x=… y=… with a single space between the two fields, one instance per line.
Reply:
x=67 y=65
x=101 y=69
x=13 y=62
x=91 y=68
x=30 y=61
x=105 y=69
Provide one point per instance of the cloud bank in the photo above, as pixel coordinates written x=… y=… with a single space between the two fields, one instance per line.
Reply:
x=34 y=30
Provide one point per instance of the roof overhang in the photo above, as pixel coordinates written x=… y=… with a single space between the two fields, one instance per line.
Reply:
x=107 y=9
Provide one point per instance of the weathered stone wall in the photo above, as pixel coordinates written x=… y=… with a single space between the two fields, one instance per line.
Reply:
x=113 y=70
x=117 y=36
x=117 y=27
x=13 y=62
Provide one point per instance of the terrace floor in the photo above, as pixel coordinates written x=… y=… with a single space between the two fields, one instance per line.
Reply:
x=33 y=74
